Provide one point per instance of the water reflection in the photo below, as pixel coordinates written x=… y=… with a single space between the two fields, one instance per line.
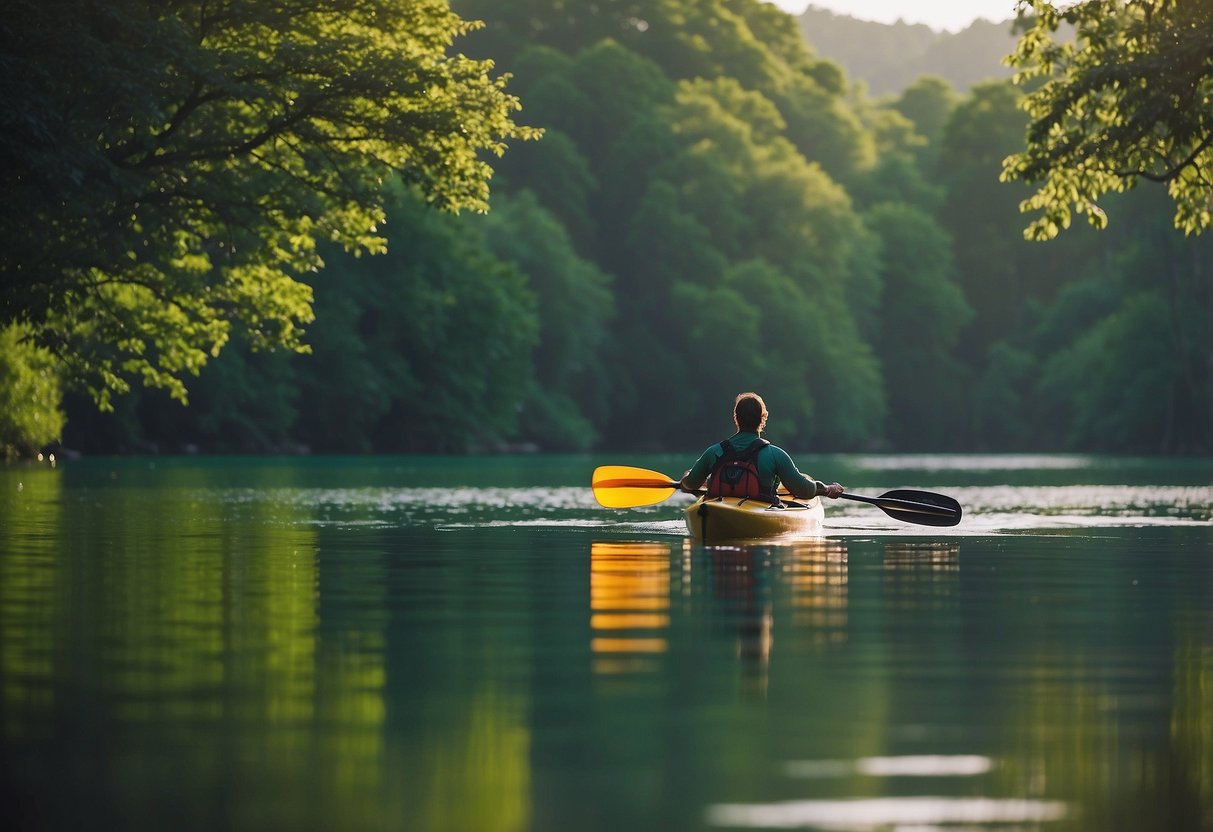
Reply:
x=177 y=643
x=634 y=584
x=1192 y=727
x=629 y=605
x=469 y=770
x=278 y=650
x=816 y=574
x=929 y=765
x=927 y=558
x=921 y=575
x=742 y=593
x=30 y=589
x=886 y=813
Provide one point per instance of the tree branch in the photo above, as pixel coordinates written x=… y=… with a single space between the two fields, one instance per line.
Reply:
x=1175 y=170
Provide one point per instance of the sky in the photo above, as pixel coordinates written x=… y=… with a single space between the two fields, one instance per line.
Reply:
x=952 y=15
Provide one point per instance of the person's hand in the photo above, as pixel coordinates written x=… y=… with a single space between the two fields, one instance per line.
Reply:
x=834 y=491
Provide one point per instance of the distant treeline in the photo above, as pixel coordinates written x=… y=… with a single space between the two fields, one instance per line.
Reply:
x=887 y=58
x=714 y=208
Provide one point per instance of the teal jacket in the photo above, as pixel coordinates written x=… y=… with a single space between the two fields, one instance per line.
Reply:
x=774 y=467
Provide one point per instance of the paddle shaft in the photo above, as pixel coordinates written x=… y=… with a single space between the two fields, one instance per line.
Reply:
x=900 y=505
x=666 y=483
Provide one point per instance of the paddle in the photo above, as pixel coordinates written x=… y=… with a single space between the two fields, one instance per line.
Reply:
x=926 y=508
x=622 y=486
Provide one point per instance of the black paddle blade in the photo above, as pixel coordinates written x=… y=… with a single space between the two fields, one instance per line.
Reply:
x=925 y=508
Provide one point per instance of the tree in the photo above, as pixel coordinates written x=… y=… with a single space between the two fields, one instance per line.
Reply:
x=1119 y=379
x=574 y=305
x=922 y=313
x=1124 y=354
x=1130 y=99
x=432 y=348
x=904 y=157
x=824 y=377
x=994 y=266
x=664 y=246
x=30 y=415
x=170 y=168
x=928 y=102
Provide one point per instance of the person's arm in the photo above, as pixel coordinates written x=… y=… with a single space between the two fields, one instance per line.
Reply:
x=800 y=485
x=698 y=472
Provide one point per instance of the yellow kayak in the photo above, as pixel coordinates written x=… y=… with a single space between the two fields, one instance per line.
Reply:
x=712 y=520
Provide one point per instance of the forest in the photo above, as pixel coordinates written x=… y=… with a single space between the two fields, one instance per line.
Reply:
x=886 y=58
x=689 y=202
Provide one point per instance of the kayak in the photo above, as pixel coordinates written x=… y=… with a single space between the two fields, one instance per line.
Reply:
x=622 y=486
x=711 y=520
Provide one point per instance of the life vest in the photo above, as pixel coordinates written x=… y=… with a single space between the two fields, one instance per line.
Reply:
x=736 y=473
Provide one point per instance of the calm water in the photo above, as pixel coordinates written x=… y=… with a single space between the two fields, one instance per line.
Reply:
x=473 y=644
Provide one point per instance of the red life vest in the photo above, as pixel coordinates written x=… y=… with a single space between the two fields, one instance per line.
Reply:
x=736 y=473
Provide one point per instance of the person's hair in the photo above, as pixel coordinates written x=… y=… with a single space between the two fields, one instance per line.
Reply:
x=750 y=412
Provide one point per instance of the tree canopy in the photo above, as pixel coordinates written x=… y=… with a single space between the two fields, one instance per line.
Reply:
x=712 y=207
x=169 y=169
x=1130 y=98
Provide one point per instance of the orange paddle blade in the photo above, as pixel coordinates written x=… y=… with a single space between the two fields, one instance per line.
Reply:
x=622 y=486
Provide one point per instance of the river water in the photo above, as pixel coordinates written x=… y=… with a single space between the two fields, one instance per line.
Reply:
x=474 y=644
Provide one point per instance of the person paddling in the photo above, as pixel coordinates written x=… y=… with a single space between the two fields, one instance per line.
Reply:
x=746 y=465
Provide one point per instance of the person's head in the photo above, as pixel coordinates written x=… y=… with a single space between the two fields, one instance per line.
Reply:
x=750 y=412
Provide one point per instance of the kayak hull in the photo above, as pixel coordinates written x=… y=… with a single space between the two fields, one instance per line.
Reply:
x=732 y=518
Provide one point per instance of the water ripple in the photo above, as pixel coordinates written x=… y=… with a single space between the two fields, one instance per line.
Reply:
x=987 y=509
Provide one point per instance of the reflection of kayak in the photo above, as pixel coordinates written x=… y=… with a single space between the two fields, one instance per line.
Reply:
x=734 y=518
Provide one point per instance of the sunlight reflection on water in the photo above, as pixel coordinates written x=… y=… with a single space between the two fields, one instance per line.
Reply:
x=973 y=462
x=964 y=765
x=874 y=813
x=988 y=509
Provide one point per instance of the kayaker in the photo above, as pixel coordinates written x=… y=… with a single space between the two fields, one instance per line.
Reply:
x=746 y=465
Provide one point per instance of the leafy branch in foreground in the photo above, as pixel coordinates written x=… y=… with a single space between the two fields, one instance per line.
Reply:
x=170 y=168
x=1129 y=99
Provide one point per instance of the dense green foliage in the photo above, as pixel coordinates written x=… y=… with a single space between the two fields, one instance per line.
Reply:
x=31 y=414
x=714 y=208
x=1130 y=98
x=169 y=169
